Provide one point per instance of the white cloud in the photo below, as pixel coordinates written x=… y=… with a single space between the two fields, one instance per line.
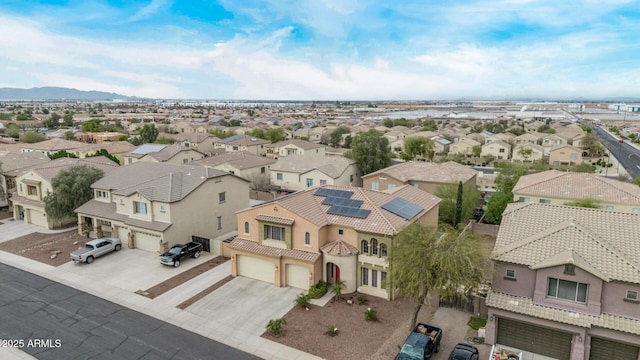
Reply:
x=149 y=10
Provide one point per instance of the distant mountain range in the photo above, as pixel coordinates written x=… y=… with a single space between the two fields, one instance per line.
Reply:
x=59 y=93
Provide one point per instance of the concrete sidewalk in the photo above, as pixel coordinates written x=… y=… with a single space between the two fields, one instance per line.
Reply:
x=163 y=310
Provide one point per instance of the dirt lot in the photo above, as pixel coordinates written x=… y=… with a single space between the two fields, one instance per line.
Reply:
x=41 y=247
x=357 y=338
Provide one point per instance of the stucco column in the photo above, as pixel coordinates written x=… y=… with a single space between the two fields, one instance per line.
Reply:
x=98 y=231
x=490 y=329
x=577 y=346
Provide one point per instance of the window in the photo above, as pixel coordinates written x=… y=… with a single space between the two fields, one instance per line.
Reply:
x=374 y=278
x=235 y=148
x=273 y=232
x=374 y=247
x=129 y=160
x=383 y=279
x=162 y=209
x=32 y=190
x=262 y=170
x=391 y=186
x=222 y=197
x=383 y=250
x=309 y=182
x=364 y=246
x=374 y=185
x=501 y=150
x=523 y=199
x=545 y=201
x=365 y=276
x=569 y=269
x=340 y=232
x=636 y=210
x=102 y=194
x=279 y=176
x=185 y=161
x=246 y=227
x=351 y=178
x=219 y=220
x=568 y=290
x=139 y=207
x=510 y=274
x=574 y=156
x=307 y=238
x=631 y=295
x=609 y=207
x=323 y=182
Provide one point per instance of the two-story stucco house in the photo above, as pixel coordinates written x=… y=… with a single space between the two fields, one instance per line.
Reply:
x=299 y=172
x=425 y=176
x=153 y=206
x=566 y=283
x=294 y=147
x=550 y=141
x=528 y=153
x=498 y=149
x=10 y=164
x=463 y=147
x=328 y=233
x=202 y=142
x=52 y=146
x=565 y=155
x=246 y=143
x=33 y=184
x=241 y=163
x=172 y=154
x=560 y=187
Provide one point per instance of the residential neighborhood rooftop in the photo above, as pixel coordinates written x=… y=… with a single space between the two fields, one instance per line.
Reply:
x=448 y=172
x=329 y=165
x=238 y=159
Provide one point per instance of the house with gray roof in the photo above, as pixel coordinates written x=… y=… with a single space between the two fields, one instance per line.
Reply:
x=202 y=142
x=241 y=163
x=294 y=147
x=298 y=172
x=566 y=282
x=253 y=145
x=34 y=183
x=153 y=206
x=172 y=154
x=10 y=162
x=561 y=187
x=327 y=233
x=426 y=176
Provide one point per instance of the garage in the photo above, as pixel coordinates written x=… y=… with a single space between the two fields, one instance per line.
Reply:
x=147 y=242
x=604 y=349
x=256 y=268
x=536 y=339
x=297 y=276
x=122 y=233
x=37 y=217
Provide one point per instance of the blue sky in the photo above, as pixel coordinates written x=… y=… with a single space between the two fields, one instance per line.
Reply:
x=324 y=49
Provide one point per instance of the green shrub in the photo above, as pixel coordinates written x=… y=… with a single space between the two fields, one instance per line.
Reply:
x=332 y=330
x=274 y=327
x=370 y=315
x=361 y=299
x=302 y=300
x=318 y=290
x=475 y=322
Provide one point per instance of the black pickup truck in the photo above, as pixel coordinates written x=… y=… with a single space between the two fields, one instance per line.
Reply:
x=423 y=341
x=179 y=251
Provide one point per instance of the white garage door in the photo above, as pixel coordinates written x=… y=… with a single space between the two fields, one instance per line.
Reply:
x=298 y=277
x=38 y=218
x=256 y=268
x=147 y=242
x=123 y=234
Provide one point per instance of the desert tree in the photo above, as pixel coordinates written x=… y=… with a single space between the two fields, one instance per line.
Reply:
x=417 y=147
x=371 y=151
x=448 y=206
x=71 y=188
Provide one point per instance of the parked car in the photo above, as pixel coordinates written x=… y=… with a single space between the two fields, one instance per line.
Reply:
x=179 y=251
x=95 y=248
x=464 y=352
x=423 y=341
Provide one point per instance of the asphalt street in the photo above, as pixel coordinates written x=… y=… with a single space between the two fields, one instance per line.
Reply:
x=49 y=320
x=627 y=155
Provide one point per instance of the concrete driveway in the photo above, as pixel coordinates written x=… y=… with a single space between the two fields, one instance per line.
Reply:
x=128 y=269
x=455 y=330
x=11 y=229
x=246 y=305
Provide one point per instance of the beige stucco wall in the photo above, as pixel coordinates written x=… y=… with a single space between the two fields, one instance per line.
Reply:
x=385 y=180
x=564 y=156
x=494 y=150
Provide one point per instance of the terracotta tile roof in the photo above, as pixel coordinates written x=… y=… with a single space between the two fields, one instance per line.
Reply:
x=339 y=247
x=256 y=248
x=305 y=145
x=525 y=306
x=113 y=147
x=539 y=235
x=53 y=145
x=330 y=165
x=449 y=172
x=379 y=221
x=275 y=219
x=575 y=186
x=237 y=159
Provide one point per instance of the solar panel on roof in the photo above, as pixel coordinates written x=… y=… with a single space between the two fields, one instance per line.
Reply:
x=330 y=200
x=333 y=193
x=348 y=211
x=148 y=148
x=402 y=208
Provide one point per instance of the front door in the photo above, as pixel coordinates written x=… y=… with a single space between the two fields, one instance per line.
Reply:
x=337 y=273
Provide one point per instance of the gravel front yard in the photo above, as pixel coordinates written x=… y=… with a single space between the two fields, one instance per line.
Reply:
x=357 y=338
x=41 y=247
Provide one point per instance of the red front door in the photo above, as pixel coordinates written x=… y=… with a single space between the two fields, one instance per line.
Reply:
x=337 y=273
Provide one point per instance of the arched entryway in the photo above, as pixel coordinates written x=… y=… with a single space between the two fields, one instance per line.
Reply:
x=333 y=273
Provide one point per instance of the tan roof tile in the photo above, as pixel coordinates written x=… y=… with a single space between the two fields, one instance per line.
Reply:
x=339 y=247
x=237 y=159
x=306 y=145
x=525 y=306
x=275 y=219
x=256 y=248
x=448 y=172
x=330 y=165
x=605 y=242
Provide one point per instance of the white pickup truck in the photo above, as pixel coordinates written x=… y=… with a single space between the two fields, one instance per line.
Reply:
x=95 y=248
